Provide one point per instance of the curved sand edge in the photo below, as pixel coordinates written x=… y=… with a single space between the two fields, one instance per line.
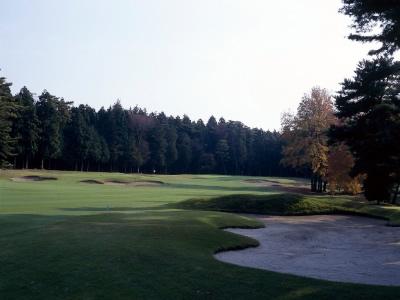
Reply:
x=123 y=183
x=32 y=178
x=330 y=247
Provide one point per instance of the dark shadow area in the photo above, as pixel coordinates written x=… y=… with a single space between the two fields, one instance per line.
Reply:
x=112 y=209
x=157 y=255
x=220 y=188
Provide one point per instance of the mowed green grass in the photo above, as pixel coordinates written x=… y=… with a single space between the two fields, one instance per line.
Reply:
x=69 y=240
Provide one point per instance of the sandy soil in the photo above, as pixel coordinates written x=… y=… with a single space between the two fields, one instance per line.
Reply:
x=123 y=183
x=336 y=248
x=32 y=178
x=276 y=185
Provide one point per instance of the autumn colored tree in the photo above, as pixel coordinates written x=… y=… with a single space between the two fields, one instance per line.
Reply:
x=340 y=164
x=305 y=136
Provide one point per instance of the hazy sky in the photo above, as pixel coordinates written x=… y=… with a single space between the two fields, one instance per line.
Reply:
x=246 y=60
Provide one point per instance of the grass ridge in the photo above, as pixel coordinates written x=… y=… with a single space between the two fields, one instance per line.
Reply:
x=291 y=205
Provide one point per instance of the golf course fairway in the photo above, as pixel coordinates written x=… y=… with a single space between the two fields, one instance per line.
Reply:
x=153 y=237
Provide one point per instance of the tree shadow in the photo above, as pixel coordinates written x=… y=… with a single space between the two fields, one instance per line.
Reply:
x=111 y=209
x=221 y=188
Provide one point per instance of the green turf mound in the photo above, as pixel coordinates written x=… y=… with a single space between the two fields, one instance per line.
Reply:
x=276 y=204
x=290 y=204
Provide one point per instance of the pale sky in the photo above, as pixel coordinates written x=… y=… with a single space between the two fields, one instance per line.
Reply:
x=245 y=60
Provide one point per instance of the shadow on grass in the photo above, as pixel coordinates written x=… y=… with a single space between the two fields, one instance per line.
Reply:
x=221 y=188
x=156 y=255
x=112 y=209
x=289 y=204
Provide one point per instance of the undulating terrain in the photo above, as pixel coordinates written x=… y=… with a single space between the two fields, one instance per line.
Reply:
x=77 y=235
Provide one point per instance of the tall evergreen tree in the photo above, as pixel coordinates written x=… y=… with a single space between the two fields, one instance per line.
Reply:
x=171 y=154
x=8 y=109
x=158 y=146
x=184 y=147
x=369 y=109
x=118 y=143
x=26 y=127
x=53 y=114
x=375 y=21
x=222 y=156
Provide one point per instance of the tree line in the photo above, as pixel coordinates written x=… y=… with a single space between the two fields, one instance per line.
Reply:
x=49 y=132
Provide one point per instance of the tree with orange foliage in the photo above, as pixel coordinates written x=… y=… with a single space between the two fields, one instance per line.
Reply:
x=340 y=163
x=306 y=138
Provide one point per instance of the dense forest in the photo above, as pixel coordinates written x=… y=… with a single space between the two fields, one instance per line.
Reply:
x=49 y=132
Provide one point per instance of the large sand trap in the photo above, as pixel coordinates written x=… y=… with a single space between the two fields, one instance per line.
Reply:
x=31 y=178
x=337 y=248
x=278 y=186
x=124 y=183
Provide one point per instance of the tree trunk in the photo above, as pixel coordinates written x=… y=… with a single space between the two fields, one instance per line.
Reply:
x=320 y=185
x=396 y=192
x=42 y=164
x=313 y=183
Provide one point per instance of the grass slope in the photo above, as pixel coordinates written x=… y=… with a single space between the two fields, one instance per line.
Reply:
x=69 y=240
x=292 y=204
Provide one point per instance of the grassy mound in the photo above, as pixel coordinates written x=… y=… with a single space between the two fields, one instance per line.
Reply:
x=291 y=204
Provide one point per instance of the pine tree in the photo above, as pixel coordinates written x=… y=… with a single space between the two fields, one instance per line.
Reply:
x=53 y=114
x=26 y=127
x=375 y=21
x=369 y=109
x=222 y=155
x=8 y=109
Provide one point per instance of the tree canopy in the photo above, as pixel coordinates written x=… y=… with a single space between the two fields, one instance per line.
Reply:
x=368 y=106
x=375 y=21
x=305 y=136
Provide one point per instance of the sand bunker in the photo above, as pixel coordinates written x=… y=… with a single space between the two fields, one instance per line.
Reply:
x=262 y=181
x=281 y=187
x=92 y=181
x=31 y=178
x=337 y=248
x=123 y=183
